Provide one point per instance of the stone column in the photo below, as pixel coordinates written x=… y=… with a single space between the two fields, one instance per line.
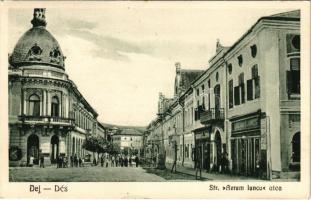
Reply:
x=62 y=145
x=49 y=103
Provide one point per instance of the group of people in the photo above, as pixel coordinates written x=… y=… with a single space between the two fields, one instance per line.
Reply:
x=119 y=160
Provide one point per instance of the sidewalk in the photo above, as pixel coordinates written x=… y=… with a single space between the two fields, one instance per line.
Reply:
x=211 y=176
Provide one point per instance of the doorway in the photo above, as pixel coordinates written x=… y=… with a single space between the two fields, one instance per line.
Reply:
x=33 y=149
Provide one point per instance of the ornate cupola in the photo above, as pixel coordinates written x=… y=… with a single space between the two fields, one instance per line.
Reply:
x=37 y=46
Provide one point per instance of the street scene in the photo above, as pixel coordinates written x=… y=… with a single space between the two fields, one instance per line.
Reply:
x=100 y=96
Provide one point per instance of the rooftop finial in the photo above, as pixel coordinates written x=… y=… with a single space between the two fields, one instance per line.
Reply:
x=38 y=17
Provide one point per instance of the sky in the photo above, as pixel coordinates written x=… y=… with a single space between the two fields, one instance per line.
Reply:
x=121 y=57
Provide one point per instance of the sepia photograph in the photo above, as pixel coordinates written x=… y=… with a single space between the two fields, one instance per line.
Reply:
x=96 y=96
x=144 y=99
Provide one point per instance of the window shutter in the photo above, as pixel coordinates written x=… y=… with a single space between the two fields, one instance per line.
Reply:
x=230 y=94
x=257 y=87
x=237 y=95
x=289 y=82
x=249 y=89
x=242 y=92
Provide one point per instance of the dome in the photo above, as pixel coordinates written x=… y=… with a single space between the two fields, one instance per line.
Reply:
x=37 y=46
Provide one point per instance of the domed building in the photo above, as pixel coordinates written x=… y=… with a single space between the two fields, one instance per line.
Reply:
x=48 y=116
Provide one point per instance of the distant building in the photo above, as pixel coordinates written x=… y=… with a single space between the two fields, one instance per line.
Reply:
x=48 y=116
x=129 y=140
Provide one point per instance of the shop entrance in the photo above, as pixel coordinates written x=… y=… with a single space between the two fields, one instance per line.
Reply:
x=246 y=155
x=33 y=149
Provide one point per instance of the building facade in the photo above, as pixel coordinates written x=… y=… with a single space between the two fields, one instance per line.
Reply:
x=246 y=105
x=48 y=116
x=130 y=141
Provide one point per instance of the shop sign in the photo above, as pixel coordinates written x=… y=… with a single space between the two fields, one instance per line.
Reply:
x=245 y=124
x=202 y=135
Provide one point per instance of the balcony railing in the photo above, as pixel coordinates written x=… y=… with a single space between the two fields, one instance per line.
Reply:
x=211 y=115
x=47 y=119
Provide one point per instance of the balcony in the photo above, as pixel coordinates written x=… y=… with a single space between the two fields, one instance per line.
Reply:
x=47 y=120
x=212 y=115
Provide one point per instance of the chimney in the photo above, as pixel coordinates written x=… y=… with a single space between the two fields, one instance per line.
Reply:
x=177 y=65
x=38 y=17
x=218 y=46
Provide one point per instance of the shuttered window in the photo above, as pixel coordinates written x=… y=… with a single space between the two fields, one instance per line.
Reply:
x=231 y=94
x=293 y=77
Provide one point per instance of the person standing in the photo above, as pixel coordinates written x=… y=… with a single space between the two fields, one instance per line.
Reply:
x=41 y=160
x=112 y=160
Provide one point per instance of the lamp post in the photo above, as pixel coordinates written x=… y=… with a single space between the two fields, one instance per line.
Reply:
x=162 y=156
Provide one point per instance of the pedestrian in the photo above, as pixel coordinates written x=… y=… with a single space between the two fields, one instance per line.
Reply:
x=65 y=162
x=117 y=160
x=126 y=161
x=121 y=160
x=107 y=160
x=31 y=158
x=130 y=161
x=136 y=161
x=71 y=161
x=80 y=162
x=112 y=161
x=41 y=161
x=75 y=160
x=101 y=161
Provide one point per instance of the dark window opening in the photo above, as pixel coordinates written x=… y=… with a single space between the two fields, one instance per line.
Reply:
x=230 y=68
x=254 y=50
x=237 y=95
x=240 y=60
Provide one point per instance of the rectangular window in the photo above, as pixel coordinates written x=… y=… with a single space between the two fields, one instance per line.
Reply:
x=237 y=95
x=231 y=94
x=198 y=92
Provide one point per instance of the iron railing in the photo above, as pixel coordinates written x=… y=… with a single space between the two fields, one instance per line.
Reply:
x=212 y=115
x=46 y=119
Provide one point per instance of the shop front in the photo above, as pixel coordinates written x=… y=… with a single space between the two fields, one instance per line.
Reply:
x=248 y=144
x=203 y=149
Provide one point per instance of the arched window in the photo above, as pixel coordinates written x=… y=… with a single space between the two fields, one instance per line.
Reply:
x=55 y=107
x=34 y=105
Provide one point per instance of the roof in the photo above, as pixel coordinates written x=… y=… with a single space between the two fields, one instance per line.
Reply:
x=285 y=16
x=129 y=131
x=37 y=46
x=290 y=14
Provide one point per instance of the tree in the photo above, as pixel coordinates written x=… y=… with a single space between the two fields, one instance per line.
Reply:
x=113 y=148
x=95 y=144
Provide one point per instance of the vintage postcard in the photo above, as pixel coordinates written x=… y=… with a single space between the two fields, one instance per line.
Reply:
x=155 y=99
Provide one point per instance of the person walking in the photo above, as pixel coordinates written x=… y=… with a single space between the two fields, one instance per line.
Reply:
x=101 y=161
x=136 y=160
x=121 y=160
x=75 y=160
x=130 y=161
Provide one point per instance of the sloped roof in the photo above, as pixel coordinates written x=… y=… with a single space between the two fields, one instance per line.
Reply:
x=290 y=14
x=188 y=76
x=129 y=131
